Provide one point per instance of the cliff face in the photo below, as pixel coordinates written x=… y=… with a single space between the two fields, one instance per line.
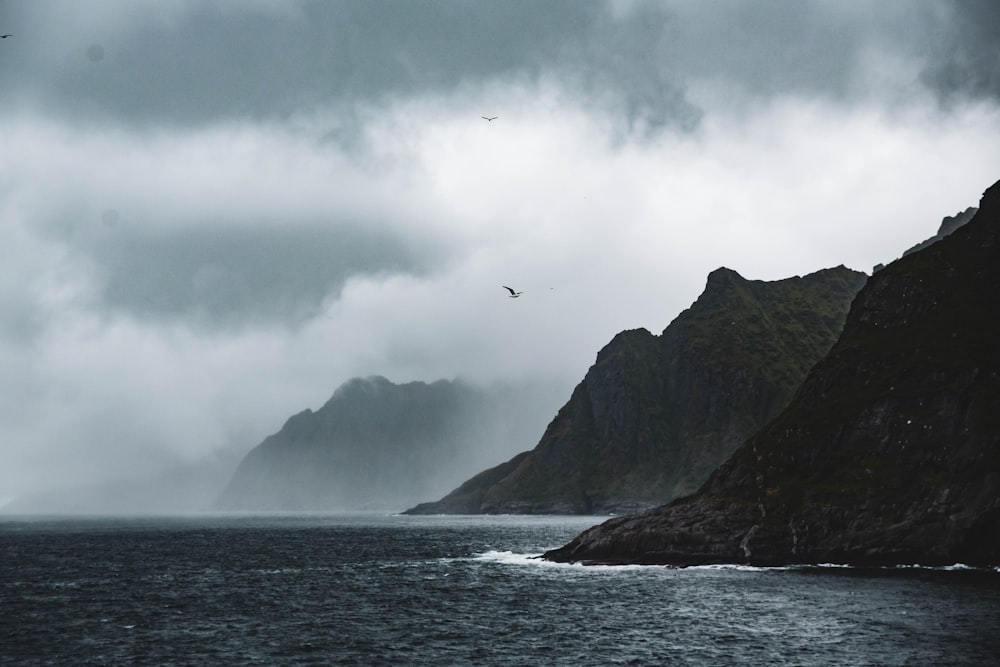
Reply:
x=889 y=452
x=373 y=445
x=656 y=414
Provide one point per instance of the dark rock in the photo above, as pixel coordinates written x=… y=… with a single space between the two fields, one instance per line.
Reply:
x=656 y=414
x=890 y=451
x=948 y=225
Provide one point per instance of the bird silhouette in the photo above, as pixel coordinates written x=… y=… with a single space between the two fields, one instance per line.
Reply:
x=5 y=36
x=513 y=294
x=489 y=119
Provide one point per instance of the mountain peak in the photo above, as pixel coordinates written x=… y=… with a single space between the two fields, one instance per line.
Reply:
x=722 y=277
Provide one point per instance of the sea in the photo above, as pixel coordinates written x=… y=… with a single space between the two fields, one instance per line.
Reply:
x=383 y=589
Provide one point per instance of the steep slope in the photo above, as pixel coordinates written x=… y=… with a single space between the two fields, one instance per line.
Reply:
x=890 y=451
x=656 y=414
x=373 y=445
x=948 y=225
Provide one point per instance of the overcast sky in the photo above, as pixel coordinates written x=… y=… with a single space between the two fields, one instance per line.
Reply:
x=214 y=213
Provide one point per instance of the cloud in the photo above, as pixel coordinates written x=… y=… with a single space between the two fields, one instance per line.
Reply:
x=240 y=207
x=197 y=62
x=225 y=226
x=966 y=62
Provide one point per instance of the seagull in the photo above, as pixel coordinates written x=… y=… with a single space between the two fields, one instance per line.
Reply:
x=489 y=119
x=513 y=294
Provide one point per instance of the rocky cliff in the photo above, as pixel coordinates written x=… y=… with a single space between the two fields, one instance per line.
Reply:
x=377 y=445
x=656 y=414
x=948 y=225
x=889 y=453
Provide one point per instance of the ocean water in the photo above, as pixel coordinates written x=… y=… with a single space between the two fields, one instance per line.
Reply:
x=397 y=590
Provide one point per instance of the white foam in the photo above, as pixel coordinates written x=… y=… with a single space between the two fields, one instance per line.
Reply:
x=508 y=557
x=536 y=560
x=843 y=566
x=739 y=568
x=519 y=559
x=941 y=568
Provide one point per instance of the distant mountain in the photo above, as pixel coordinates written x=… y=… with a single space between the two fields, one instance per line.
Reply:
x=889 y=453
x=380 y=445
x=656 y=414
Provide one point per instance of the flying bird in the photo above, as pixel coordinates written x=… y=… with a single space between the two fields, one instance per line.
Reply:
x=513 y=294
x=5 y=36
x=489 y=119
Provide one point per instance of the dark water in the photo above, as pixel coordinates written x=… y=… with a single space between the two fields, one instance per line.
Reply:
x=391 y=590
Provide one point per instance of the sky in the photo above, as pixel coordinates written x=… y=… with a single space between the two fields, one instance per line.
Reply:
x=214 y=213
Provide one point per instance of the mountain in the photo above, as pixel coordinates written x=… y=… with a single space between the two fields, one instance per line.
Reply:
x=889 y=453
x=380 y=445
x=655 y=415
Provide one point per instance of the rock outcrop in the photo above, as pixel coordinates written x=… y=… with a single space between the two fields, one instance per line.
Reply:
x=889 y=453
x=656 y=414
x=948 y=225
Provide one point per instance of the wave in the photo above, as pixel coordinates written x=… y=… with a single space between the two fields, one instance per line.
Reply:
x=956 y=567
x=512 y=558
x=535 y=559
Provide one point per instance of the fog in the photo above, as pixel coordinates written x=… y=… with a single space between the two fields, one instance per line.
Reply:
x=214 y=214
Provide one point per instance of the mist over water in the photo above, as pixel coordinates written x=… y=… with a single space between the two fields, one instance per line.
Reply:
x=497 y=421
x=377 y=590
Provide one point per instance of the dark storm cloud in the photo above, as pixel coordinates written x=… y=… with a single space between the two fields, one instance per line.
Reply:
x=213 y=62
x=967 y=62
x=237 y=276
x=635 y=59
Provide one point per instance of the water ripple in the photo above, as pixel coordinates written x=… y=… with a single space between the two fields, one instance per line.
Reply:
x=453 y=591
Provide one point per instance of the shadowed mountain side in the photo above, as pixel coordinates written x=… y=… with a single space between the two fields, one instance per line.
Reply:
x=379 y=445
x=888 y=454
x=656 y=414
